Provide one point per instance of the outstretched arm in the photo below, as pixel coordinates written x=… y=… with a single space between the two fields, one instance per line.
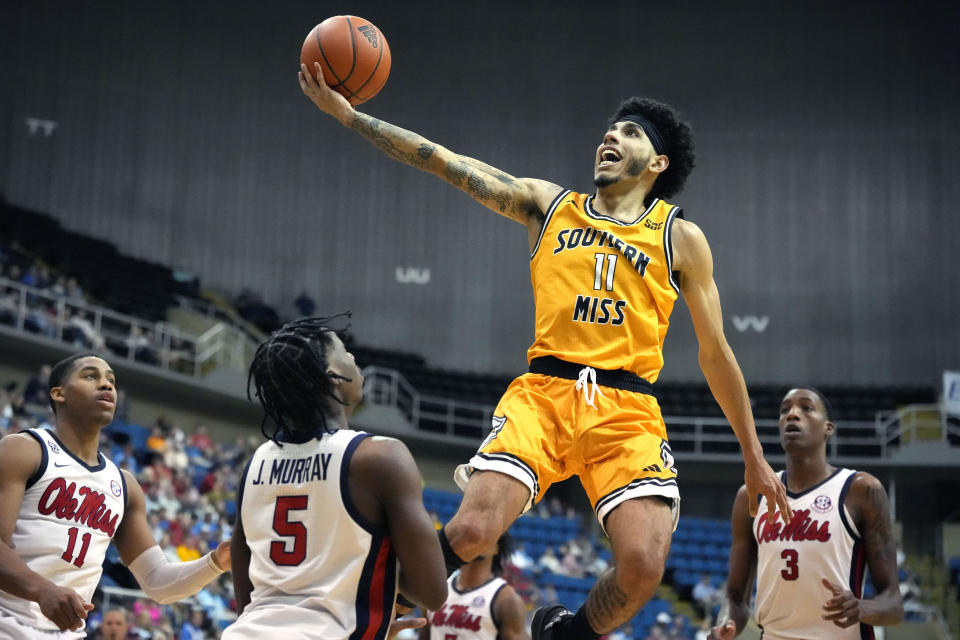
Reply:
x=160 y=579
x=871 y=511
x=735 y=610
x=694 y=262
x=521 y=199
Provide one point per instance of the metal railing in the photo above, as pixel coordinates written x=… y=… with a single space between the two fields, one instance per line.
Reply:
x=917 y=422
x=689 y=435
x=77 y=322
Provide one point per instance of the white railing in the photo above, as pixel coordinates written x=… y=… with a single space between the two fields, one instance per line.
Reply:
x=689 y=435
x=80 y=323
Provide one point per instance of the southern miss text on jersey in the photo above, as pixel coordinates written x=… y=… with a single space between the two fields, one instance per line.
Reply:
x=603 y=289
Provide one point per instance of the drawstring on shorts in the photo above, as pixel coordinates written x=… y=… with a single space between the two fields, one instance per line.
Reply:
x=587 y=380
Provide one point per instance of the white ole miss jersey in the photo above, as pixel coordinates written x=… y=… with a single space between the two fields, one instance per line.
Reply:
x=69 y=514
x=319 y=569
x=466 y=615
x=820 y=542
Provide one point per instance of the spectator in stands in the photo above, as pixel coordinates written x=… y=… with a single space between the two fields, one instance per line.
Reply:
x=704 y=596
x=36 y=390
x=520 y=558
x=139 y=346
x=59 y=287
x=570 y=565
x=31 y=276
x=74 y=290
x=114 y=626
x=189 y=549
x=83 y=333
x=677 y=629
x=9 y=307
x=146 y=612
x=201 y=439
x=548 y=561
x=157 y=440
x=304 y=304
x=192 y=629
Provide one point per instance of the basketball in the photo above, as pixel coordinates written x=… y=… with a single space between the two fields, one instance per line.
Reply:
x=353 y=54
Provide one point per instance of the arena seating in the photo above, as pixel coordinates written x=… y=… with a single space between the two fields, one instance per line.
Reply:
x=850 y=403
x=116 y=281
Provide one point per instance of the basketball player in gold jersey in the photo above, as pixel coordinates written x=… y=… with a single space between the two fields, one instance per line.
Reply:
x=606 y=271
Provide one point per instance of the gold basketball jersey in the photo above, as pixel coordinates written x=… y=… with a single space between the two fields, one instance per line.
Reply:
x=603 y=289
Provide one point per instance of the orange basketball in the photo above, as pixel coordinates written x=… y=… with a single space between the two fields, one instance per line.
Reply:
x=353 y=54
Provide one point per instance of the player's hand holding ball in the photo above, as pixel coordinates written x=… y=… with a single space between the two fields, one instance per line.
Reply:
x=327 y=100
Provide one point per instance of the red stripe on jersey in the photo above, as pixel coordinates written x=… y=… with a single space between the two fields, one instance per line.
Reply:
x=375 y=595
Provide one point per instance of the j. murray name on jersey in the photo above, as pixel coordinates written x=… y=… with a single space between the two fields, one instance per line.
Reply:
x=588 y=236
x=295 y=470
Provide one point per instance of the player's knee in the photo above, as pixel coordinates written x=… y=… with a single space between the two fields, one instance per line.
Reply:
x=639 y=571
x=469 y=534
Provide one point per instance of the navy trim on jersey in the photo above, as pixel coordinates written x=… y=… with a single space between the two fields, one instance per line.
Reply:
x=843 y=512
x=517 y=462
x=100 y=457
x=493 y=616
x=123 y=483
x=365 y=587
x=858 y=566
x=616 y=493
x=297 y=438
x=546 y=220
x=599 y=216
x=348 y=504
x=453 y=585
x=816 y=486
x=675 y=213
x=32 y=480
x=243 y=483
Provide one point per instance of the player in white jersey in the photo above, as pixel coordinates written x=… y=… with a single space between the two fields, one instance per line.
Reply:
x=480 y=605
x=810 y=572
x=62 y=503
x=331 y=521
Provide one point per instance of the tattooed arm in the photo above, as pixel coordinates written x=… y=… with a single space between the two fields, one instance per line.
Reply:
x=521 y=199
x=868 y=505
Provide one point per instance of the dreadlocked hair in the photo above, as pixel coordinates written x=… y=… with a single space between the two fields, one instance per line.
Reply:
x=290 y=378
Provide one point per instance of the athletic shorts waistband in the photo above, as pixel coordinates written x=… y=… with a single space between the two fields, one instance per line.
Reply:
x=614 y=378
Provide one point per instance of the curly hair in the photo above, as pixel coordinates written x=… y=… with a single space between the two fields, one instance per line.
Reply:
x=290 y=378
x=679 y=135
